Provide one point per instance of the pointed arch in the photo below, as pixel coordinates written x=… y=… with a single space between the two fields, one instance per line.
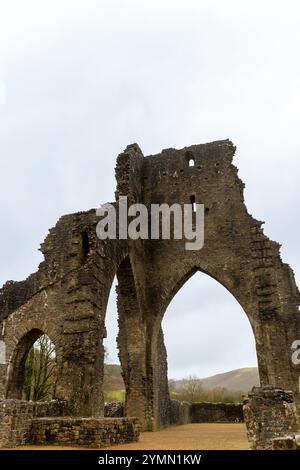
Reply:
x=228 y=280
x=16 y=368
x=212 y=324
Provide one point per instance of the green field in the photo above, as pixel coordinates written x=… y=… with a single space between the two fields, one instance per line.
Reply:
x=115 y=395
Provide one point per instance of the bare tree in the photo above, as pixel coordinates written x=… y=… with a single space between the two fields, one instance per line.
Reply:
x=40 y=371
x=192 y=388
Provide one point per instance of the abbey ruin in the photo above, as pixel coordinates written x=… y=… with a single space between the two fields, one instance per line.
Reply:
x=67 y=299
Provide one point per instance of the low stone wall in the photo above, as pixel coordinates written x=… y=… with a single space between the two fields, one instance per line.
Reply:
x=86 y=432
x=179 y=412
x=184 y=412
x=16 y=417
x=114 y=409
x=51 y=408
x=204 y=412
x=269 y=413
x=27 y=422
x=15 y=421
x=216 y=412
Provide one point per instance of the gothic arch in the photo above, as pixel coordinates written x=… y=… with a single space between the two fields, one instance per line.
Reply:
x=16 y=366
x=158 y=349
x=182 y=277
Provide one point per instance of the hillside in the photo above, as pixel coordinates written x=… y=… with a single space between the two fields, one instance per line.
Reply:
x=112 y=377
x=239 y=379
x=235 y=380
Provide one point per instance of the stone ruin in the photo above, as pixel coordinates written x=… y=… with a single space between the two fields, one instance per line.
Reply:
x=67 y=298
x=271 y=418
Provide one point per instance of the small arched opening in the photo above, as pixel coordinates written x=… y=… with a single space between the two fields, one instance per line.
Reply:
x=32 y=369
x=190 y=158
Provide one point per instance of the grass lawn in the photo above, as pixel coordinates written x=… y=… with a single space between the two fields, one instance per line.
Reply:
x=115 y=395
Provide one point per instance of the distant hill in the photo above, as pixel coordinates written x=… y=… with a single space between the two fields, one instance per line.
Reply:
x=236 y=380
x=112 y=377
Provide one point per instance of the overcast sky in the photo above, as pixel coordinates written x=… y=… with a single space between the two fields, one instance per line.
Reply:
x=85 y=78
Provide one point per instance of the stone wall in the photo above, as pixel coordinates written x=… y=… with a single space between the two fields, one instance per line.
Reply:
x=85 y=432
x=269 y=413
x=183 y=412
x=179 y=412
x=216 y=413
x=114 y=409
x=16 y=417
x=25 y=422
x=15 y=421
x=50 y=408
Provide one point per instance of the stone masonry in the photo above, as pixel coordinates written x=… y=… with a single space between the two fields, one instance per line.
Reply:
x=16 y=418
x=85 y=432
x=48 y=423
x=67 y=297
x=270 y=413
x=185 y=412
x=216 y=413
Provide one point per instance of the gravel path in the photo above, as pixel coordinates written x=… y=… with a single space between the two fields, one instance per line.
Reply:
x=204 y=436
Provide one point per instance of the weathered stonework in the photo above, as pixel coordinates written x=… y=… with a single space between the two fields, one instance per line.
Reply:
x=216 y=413
x=269 y=413
x=16 y=419
x=67 y=297
x=85 y=432
x=42 y=423
x=114 y=409
x=180 y=412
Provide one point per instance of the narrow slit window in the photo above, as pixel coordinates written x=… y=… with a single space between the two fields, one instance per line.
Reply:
x=85 y=244
x=190 y=158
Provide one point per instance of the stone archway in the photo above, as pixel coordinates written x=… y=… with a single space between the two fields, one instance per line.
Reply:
x=236 y=253
x=163 y=413
x=68 y=294
x=16 y=368
x=273 y=329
